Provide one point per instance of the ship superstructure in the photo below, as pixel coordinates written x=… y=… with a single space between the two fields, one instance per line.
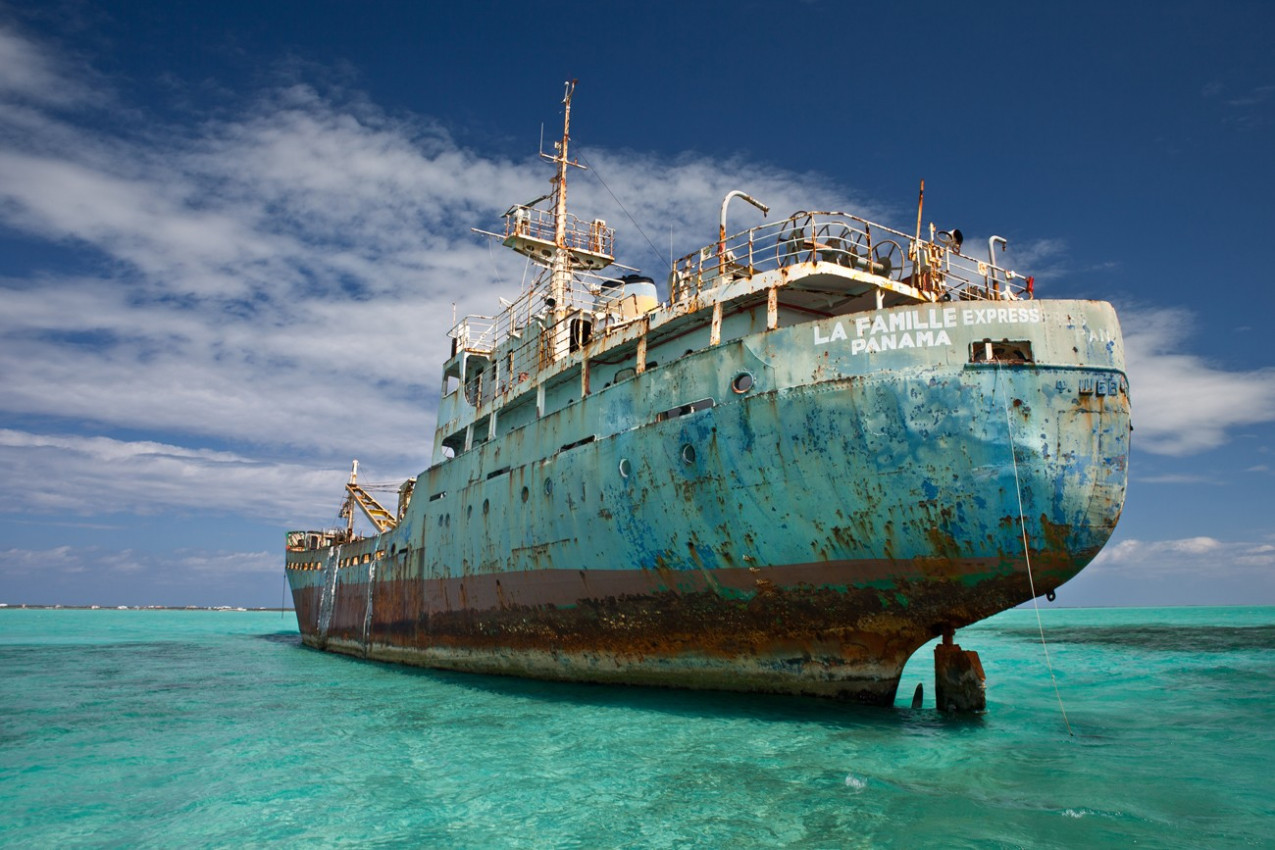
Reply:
x=828 y=443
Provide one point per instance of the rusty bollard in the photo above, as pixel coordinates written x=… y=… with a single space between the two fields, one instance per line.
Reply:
x=959 y=681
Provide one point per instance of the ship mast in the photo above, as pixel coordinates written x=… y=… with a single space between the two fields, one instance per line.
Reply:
x=557 y=241
x=560 y=274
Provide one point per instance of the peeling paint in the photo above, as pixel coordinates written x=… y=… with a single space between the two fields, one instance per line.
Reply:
x=805 y=464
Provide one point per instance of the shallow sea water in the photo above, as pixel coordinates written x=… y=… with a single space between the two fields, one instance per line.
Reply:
x=217 y=729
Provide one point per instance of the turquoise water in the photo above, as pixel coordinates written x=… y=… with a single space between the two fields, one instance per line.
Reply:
x=217 y=729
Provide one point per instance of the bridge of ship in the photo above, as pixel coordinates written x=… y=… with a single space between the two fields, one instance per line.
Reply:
x=810 y=265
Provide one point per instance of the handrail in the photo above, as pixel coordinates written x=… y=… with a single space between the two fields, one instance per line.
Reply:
x=535 y=223
x=932 y=267
x=846 y=240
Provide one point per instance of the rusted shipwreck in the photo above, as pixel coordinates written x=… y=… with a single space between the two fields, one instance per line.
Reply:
x=829 y=443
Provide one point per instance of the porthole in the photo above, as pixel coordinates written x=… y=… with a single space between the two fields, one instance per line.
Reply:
x=526 y=494
x=688 y=454
x=440 y=520
x=447 y=520
x=548 y=486
x=486 y=506
x=469 y=512
x=742 y=383
x=626 y=468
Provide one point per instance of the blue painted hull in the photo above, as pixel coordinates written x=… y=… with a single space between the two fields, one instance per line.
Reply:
x=803 y=536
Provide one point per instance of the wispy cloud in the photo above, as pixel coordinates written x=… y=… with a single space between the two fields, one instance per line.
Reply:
x=278 y=280
x=85 y=575
x=1247 y=105
x=1252 y=97
x=100 y=475
x=32 y=75
x=1182 y=404
x=1173 y=478
x=1189 y=554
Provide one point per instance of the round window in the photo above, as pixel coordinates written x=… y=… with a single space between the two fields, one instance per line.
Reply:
x=626 y=468
x=688 y=454
x=743 y=382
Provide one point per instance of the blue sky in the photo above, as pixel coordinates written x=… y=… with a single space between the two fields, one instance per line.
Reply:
x=231 y=235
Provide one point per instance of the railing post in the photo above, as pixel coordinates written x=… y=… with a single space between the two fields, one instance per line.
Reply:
x=715 y=334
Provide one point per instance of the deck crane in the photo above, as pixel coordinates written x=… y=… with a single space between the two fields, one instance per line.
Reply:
x=376 y=513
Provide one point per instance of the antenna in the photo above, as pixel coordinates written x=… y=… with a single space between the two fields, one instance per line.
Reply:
x=560 y=274
x=920 y=202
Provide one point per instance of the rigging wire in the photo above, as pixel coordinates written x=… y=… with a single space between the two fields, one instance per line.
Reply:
x=625 y=210
x=495 y=269
x=526 y=267
x=1022 y=524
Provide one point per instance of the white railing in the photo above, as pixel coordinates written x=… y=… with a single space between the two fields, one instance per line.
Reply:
x=593 y=237
x=591 y=307
x=833 y=237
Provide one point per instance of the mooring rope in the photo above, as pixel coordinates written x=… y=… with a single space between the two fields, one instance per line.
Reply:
x=1022 y=524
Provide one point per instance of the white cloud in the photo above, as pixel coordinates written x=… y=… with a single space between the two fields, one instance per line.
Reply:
x=1182 y=404
x=1262 y=555
x=1253 y=97
x=221 y=563
x=1177 y=478
x=64 y=559
x=1197 y=555
x=84 y=575
x=98 y=475
x=280 y=280
x=31 y=74
x=1045 y=258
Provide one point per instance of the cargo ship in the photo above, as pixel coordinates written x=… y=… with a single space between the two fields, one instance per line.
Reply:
x=823 y=444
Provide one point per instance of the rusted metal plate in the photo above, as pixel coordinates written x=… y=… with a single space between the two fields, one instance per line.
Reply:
x=805 y=535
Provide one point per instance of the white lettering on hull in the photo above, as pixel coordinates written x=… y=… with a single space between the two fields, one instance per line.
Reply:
x=923 y=328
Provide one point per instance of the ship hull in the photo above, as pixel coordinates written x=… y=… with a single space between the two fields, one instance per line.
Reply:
x=805 y=538
x=813 y=638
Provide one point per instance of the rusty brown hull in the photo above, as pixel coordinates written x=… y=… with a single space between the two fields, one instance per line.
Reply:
x=800 y=629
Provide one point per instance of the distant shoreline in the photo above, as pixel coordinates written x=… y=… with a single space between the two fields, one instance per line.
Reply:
x=5 y=607
x=1025 y=606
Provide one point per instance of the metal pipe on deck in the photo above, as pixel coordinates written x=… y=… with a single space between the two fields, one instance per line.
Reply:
x=721 y=229
x=991 y=261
